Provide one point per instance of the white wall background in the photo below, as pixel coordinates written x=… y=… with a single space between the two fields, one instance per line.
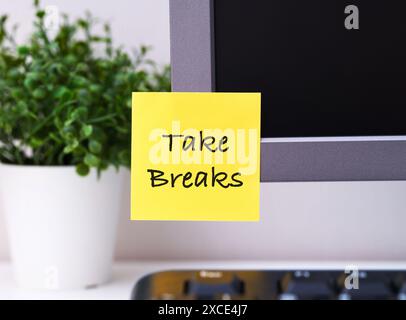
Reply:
x=305 y=221
x=133 y=22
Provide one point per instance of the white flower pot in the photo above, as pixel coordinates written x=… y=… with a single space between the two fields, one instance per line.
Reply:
x=62 y=227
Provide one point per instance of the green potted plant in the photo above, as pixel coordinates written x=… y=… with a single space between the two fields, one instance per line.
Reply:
x=65 y=122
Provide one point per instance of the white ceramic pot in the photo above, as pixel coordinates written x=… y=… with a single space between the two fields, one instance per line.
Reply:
x=62 y=227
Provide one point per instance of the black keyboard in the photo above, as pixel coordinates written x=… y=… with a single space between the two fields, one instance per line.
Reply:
x=271 y=285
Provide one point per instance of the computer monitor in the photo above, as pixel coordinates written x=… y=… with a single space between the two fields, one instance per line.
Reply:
x=332 y=74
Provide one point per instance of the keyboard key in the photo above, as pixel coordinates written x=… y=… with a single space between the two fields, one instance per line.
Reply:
x=306 y=285
x=371 y=286
x=401 y=284
x=214 y=284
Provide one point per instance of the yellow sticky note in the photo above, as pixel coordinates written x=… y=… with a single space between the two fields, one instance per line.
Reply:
x=195 y=156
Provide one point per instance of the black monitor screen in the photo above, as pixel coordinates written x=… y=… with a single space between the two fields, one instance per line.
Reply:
x=321 y=71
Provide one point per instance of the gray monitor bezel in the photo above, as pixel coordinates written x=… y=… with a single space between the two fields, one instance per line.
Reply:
x=364 y=158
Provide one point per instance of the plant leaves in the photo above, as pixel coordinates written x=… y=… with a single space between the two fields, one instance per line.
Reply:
x=66 y=102
x=71 y=146
x=91 y=160
x=95 y=146
x=82 y=169
x=87 y=130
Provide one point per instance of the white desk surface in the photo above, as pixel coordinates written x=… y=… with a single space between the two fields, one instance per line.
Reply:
x=125 y=274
